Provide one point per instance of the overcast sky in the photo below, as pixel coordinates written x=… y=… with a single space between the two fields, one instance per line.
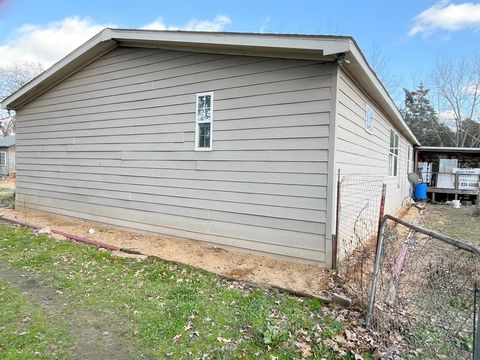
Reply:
x=411 y=34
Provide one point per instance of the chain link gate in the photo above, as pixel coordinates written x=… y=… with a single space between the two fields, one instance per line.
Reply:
x=423 y=295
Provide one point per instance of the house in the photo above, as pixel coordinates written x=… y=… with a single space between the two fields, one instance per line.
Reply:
x=450 y=172
x=228 y=138
x=7 y=155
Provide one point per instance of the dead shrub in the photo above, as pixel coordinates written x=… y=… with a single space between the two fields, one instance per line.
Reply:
x=476 y=212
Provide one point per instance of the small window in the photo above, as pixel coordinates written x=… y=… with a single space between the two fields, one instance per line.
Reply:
x=393 y=154
x=204 y=122
x=369 y=120
x=3 y=158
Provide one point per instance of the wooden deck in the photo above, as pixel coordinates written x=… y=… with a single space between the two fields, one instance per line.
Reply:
x=456 y=192
x=451 y=191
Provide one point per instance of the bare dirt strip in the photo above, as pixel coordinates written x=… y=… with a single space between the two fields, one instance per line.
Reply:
x=95 y=337
x=309 y=279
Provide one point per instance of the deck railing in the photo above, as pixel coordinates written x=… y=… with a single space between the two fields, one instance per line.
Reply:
x=459 y=183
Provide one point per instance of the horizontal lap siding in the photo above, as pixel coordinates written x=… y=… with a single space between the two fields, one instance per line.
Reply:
x=114 y=143
x=361 y=153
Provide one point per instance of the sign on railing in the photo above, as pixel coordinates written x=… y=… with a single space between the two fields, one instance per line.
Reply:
x=467 y=178
x=461 y=179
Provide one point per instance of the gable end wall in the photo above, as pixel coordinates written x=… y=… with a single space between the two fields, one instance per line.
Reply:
x=114 y=143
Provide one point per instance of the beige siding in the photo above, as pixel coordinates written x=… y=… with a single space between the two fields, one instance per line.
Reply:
x=361 y=153
x=114 y=143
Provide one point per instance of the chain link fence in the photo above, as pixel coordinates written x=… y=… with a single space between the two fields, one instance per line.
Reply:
x=359 y=205
x=423 y=293
x=419 y=287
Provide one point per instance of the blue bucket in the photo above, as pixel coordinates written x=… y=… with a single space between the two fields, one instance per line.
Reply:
x=420 y=191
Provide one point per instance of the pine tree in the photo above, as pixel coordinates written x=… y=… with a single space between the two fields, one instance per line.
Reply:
x=422 y=119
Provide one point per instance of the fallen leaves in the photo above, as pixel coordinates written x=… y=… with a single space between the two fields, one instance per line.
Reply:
x=231 y=318
x=224 y=340
x=304 y=348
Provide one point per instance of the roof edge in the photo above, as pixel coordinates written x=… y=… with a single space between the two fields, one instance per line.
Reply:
x=447 y=149
x=293 y=45
x=377 y=83
x=78 y=58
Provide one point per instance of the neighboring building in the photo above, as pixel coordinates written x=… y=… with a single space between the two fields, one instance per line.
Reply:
x=450 y=172
x=229 y=138
x=7 y=155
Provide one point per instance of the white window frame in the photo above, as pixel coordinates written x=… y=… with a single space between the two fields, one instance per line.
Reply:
x=393 y=172
x=409 y=158
x=197 y=122
x=369 y=111
x=4 y=163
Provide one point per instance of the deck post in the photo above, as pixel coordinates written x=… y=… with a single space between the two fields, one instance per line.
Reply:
x=456 y=185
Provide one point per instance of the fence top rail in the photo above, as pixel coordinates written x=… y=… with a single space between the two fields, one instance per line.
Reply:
x=450 y=173
x=446 y=239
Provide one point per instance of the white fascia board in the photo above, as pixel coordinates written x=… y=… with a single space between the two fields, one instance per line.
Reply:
x=109 y=38
x=296 y=46
x=447 y=149
x=328 y=45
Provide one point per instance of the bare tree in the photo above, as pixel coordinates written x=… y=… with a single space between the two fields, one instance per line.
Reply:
x=380 y=64
x=12 y=78
x=457 y=84
x=422 y=119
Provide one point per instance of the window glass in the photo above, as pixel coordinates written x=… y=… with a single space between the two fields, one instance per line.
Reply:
x=203 y=121
x=204 y=108
x=393 y=154
x=204 y=135
x=409 y=150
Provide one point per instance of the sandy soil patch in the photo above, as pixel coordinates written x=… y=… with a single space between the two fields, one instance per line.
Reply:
x=295 y=276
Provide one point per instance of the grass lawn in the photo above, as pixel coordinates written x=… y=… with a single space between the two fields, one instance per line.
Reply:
x=60 y=299
x=24 y=329
x=451 y=277
x=460 y=224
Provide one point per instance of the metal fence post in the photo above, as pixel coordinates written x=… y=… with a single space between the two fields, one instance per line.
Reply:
x=382 y=209
x=335 y=239
x=376 y=271
x=380 y=265
x=476 y=326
